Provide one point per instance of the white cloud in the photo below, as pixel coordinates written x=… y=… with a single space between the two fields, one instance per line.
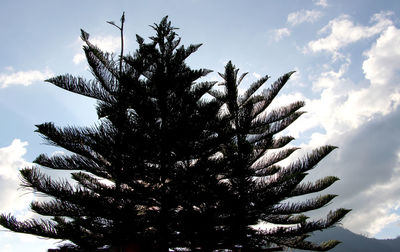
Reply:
x=11 y=160
x=363 y=121
x=279 y=34
x=330 y=79
x=16 y=201
x=322 y=3
x=106 y=43
x=78 y=58
x=379 y=218
x=343 y=105
x=299 y=17
x=385 y=197
x=256 y=75
x=342 y=32
x=24 y=78
x=382 y=69
x=296 y=77
x=7 y=247
x=382 y=64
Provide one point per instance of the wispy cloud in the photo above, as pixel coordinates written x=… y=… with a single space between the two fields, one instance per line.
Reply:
x=279 y=34
x=302 y=16
x=256 y=75
x=296 y=18
x=78 y=58
x=322 y=3
x=24 y=78
x=106 y=43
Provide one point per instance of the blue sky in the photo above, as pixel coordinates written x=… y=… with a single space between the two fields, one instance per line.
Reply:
x=346 y=54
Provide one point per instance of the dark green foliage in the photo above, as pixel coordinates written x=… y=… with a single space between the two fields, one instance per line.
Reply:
x=164 y=167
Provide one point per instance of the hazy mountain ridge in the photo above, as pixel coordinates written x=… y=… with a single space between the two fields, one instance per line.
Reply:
x=352 y=242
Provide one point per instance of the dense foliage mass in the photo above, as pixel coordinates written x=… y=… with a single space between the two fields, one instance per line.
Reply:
x=165 y=167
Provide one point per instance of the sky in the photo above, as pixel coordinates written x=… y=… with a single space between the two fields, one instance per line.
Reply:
x=346 y=55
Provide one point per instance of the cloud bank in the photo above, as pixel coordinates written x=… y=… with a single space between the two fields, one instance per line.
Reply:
x=363 y=120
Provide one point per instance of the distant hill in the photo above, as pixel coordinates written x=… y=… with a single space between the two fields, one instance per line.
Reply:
x=352 y=242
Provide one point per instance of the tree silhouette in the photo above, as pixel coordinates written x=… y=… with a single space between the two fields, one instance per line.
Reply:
x=165 y=167
x=255 y=181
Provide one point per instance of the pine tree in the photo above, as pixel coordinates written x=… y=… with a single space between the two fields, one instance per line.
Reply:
x=164 y=167
x=128 y=168
x=255 y=181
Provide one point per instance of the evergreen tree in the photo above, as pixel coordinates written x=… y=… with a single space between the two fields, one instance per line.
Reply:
x=164 y=167
x=255 y=182
x=128 y=168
